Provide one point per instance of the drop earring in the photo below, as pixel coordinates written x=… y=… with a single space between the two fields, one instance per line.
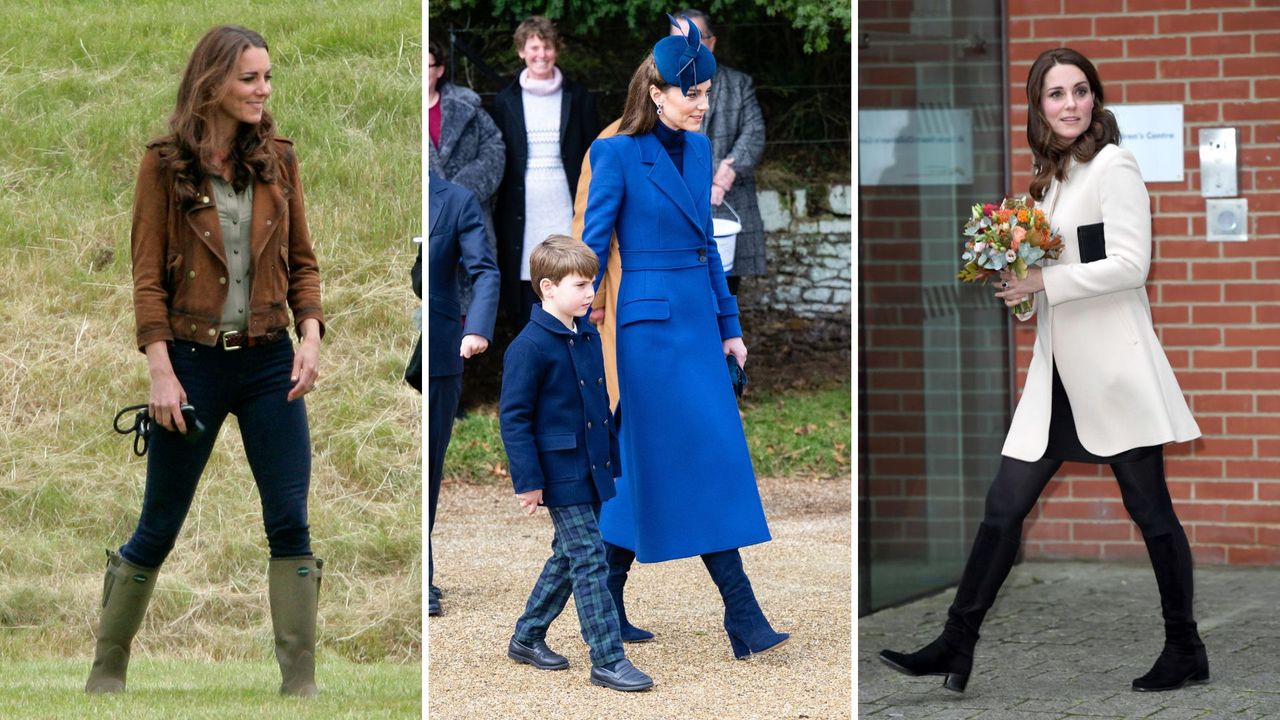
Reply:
x=659 y=109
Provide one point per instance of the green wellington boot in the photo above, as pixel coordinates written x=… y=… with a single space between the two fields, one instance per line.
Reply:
x=294 y=587
x=126 y=590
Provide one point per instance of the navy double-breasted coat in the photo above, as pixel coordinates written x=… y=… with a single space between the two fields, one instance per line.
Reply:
x=554 y=413
x=687 y=485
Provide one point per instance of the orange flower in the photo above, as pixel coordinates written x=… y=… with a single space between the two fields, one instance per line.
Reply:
x=1022 y=216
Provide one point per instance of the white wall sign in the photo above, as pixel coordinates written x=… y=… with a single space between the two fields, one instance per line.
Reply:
x=917 y=146
x=1153 y=133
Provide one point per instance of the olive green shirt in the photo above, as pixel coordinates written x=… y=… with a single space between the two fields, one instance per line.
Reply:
x=235 y=213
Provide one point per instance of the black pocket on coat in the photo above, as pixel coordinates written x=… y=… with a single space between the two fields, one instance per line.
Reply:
x=1092 y=241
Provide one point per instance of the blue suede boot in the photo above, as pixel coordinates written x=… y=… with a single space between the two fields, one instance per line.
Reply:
x=620 y=559
x=744 y=621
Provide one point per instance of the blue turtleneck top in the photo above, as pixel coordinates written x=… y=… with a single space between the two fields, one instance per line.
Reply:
x=673 y=141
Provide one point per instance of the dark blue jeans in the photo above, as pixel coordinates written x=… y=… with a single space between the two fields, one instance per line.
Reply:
x=251 y=383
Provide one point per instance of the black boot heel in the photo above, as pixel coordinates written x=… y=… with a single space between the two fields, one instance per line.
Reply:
x=956 y=682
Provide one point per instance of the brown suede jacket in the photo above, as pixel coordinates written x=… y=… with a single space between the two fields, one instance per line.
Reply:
x=180 y=266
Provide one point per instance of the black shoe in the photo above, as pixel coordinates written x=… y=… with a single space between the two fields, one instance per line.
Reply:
x=624 y=677
x=936 y=658
x=536 y=654
x=433 y=606
x=1176 y=667
x=436 y=593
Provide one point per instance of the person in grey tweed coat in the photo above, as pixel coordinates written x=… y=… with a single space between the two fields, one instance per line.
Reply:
x=469 y=151
x=735 y=127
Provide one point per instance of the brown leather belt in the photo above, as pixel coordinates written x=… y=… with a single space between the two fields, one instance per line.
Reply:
x=237 y=339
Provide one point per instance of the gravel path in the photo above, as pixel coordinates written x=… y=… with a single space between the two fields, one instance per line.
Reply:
x=490 y=556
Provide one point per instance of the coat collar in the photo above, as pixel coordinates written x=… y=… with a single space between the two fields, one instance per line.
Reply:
x=663 y=174
x=456 y=115
x=269 y=206
x=548 y=322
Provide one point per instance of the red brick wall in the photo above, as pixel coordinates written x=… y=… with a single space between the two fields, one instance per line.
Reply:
x=1216 y=306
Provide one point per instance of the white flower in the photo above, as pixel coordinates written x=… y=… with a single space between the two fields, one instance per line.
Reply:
x=979 y=246
x=1010 y=255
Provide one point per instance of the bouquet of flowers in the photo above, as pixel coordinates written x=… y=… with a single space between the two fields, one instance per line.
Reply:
x=1014 y=234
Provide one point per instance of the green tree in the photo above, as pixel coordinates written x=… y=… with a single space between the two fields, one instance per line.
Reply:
x=817 y=19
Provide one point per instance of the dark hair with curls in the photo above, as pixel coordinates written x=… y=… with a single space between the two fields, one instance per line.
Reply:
x=638 y=112
x=189 y=147
x=1050 y=152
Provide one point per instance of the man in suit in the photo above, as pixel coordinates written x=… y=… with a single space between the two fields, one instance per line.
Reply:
x=456 y=235
x=735 y=126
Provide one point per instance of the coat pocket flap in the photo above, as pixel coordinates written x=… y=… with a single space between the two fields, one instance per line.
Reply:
x=647 y=309
x=558 y=441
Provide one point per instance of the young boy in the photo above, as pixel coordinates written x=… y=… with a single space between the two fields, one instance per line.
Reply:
x=563 y=453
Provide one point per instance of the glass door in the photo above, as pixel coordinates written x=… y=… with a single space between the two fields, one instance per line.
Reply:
x=933 y=354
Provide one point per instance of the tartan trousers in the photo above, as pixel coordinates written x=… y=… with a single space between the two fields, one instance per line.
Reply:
x=577 y=565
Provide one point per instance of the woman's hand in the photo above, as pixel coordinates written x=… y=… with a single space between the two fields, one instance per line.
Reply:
x=597 y=316
x=167 y=396
x=736 y=348
x=306 y=361
x=1013 y=291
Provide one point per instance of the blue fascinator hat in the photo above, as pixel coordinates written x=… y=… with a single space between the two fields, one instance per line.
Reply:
x=682 y=59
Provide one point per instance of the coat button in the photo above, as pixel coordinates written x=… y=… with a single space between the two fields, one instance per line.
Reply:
x=588 y=424
x=212 y=331
x=222 y=281
x=606 y=421
x=599 y=381
x=206 y=232
x=193 y=327
x=204 y=199
x=581 y=383
x=570 y=342
x=268 y=222
x=191 y=273
x=608 y=463
x=593 y=466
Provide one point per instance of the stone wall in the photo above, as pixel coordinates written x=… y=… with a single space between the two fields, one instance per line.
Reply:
x=805 y=297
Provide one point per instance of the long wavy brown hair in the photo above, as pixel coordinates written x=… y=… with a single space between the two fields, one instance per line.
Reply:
x=189 y=148
x=1051 y=154
x=638 y=113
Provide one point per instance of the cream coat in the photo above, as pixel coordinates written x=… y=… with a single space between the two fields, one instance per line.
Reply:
x=1096 y=320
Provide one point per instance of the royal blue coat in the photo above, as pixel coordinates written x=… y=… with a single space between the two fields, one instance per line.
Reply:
x=554 y=413
x=687 y=485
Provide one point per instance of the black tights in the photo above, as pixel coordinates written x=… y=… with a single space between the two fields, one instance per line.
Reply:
x=1018 y=486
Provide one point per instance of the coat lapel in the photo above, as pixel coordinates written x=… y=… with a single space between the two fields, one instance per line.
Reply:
x=435 y=205
x=564 y=113
x=202 y=216
x=663 y=174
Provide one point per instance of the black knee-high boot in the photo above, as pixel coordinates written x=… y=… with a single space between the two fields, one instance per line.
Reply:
x=951 y=654
x=1183 y=659
x=620 y=559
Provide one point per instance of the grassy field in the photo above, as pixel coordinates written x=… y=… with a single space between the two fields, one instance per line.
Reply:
x=194 y=690
x=789 y=433
x=83 y=86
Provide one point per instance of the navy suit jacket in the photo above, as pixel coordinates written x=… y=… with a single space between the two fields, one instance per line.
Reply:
x=554 y=413
x=457 y=234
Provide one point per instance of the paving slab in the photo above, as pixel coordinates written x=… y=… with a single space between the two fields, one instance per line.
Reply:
x=1065 y=639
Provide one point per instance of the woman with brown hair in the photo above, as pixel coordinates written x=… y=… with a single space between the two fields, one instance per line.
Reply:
x=1099 y=388
x=220 y=247
x=547 y=122
x=687 y=485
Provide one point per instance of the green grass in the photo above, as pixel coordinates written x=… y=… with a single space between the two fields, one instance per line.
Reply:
x=198 y=690
x=83 y=86
x=792 y=433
